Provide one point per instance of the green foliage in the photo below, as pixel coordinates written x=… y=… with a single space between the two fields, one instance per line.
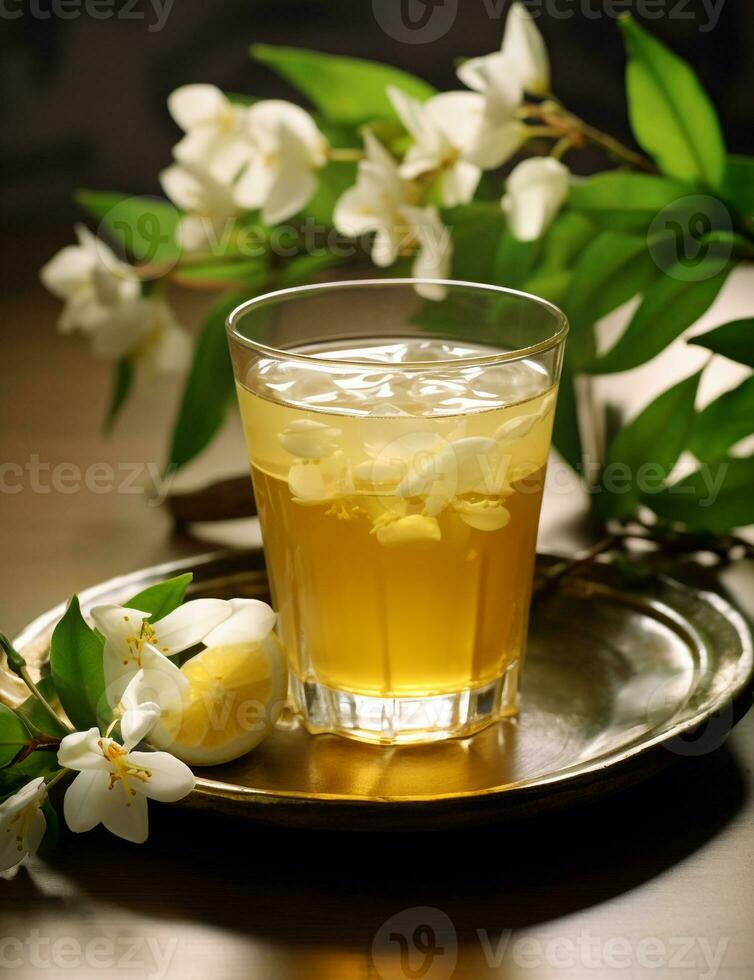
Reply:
x=40 y=763
x=672 y=117
x=656 y=437
x=14 y=735
x=568 y=235
x=123 y=377
x=724 y=422
x=248 y=274
x=626 y=201
x=345 y=90
x=305 y=268
x=35 y=714
x=611 y=270
x=476 y=230
x=209 y=387
x=734 y=340
x=738 y=186
x=565 y=433
x=715 y=498
x=161 y=598
x=670 y=305
x=76 y=664
x=144 y=227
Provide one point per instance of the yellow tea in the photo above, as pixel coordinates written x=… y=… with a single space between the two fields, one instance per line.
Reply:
x=399 y=504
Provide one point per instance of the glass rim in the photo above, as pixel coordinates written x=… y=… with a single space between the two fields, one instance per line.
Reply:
x=239 y=312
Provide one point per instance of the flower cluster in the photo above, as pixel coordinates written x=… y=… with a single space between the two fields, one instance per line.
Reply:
x=261 y=162
x=103 y=299
x=142 y=687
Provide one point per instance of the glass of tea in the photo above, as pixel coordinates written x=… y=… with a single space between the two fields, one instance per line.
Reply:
x=398 y=434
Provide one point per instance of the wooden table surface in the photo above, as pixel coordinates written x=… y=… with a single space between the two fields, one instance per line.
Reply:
x=657 y=882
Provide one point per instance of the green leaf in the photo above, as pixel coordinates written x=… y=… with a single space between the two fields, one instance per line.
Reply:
x=76 y=663
x=475 y=229
x=14 y=735
x=724 y=422
x=565 y=433
x=162 y=598
x=305 y=268
x=568 y=235
x=620 y=200
x=738 y=187
x=670 y=305
x=513 y=260
x=346 y=90
x=41 y=763
x=551 y=286
x=672 y=116
x=123 y=377
x=657 y=436
x=33 y=712
x=734 y=340
x=144 y=227
x=209 y=387
x=238 y=273
x=611 y=270
x=715 y=498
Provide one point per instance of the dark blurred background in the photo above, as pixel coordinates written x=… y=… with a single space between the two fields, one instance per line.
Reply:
x=83 y=83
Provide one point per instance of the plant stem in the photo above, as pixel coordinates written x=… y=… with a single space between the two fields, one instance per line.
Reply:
x=567 y=124
x=345 y=155
x=26 y=678
x=56 y=778
x=556 y=572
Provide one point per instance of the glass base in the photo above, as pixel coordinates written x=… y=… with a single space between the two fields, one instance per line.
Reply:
x=406 y=720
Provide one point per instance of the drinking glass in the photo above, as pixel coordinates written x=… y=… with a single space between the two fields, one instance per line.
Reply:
x=398 y=434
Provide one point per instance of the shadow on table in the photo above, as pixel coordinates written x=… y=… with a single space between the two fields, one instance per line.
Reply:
x=309 y=889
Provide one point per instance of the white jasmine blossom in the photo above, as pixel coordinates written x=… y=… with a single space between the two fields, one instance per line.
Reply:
x=287 y=150
x=132 y=643
x=22 y=823
x=535 y=192
x=216 y=133
x=383 y=202
x=208 y=202
x=146 y=331
x=522 y=63
x=114 y=783
x=440 y=127
x=91 y=280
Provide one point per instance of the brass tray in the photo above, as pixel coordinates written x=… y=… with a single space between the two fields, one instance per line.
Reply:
x=616 y=684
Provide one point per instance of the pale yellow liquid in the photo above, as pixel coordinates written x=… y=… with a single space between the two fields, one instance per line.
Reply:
x=369 y=602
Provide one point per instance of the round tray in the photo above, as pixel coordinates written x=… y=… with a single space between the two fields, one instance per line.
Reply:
x=615 y=685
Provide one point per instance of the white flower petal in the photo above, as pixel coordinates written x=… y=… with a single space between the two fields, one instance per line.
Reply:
x=483 y=515
x=170 y=778
x=83 y=802
x=81 y=750
x=251 y=623
x=411 y=530
x=524 y=44
x=189 y=624
x=535 y=191
x=516 y=428
x=137 y=722
x=309 y=439
x=125 y=816
x=35 y=831
x=196 y=105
